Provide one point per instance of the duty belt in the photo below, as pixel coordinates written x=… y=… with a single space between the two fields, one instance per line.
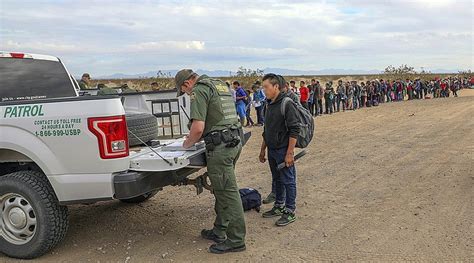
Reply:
x=229 y=137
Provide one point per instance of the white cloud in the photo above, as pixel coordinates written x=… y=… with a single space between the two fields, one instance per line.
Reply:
x=167 y=46
x=339 y=41
x=40 y=46
x=432 y=3
x=260 y=51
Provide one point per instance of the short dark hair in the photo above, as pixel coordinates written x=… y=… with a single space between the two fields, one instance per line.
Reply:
x=272 y=78
x=236 y=83
x=275 y=79
x=313 y=80
x=292 y=81
x=302 y=82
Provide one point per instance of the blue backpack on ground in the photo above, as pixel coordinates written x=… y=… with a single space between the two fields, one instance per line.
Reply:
x=251 y=199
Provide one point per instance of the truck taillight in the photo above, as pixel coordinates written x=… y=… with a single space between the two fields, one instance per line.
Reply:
x=112 y=134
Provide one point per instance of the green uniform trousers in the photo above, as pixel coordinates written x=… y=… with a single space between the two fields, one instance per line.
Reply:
x=230 y=219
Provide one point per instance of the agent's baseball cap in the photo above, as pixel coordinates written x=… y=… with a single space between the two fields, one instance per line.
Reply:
x=181 y=77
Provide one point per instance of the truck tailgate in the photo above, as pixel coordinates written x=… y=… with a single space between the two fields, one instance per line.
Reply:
x=159 y=159
x=155 y=159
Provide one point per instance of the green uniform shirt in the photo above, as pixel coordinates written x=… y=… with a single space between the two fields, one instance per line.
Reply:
x=83 y=85
x=211 y=102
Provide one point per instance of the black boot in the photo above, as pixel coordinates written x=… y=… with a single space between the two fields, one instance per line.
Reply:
x=209 y=234
x=222 y=248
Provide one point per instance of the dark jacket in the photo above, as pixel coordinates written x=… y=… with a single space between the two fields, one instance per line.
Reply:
x=278 y=130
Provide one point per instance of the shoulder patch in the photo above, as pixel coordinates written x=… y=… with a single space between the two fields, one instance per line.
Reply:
x=222 y=88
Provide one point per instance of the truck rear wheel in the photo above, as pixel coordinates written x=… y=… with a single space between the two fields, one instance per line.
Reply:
x=31 y=220
x=140 y=198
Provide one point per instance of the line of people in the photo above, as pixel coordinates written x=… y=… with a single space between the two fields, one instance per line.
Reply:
x=349 y=95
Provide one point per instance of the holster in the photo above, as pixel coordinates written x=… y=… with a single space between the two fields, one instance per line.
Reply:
x=212 y=140
x=230 y=137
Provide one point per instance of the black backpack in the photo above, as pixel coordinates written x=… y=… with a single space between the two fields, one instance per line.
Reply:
x=305 y=121
x=251 y=199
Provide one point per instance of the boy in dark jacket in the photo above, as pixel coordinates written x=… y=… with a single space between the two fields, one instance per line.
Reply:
x=279 y=138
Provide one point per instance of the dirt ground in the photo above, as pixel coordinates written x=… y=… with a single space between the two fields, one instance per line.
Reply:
x=394 y=182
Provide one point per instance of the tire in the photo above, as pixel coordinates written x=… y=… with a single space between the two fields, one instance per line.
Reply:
x=140 y=198
x=46 y=221
x=143 y=125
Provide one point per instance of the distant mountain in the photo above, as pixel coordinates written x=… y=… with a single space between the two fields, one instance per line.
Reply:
x=280 y=71
x=438 y=71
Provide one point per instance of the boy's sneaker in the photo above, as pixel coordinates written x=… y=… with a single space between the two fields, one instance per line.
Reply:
x=286 y=218
x=270 y=198
x=209 y=234
x=274 y=212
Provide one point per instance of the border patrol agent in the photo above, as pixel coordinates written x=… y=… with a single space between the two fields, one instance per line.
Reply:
x=214 y=118
x=84 y=82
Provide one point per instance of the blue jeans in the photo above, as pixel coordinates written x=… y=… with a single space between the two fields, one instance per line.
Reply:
x=340 y=100
x=241 y=110
x=284 y=180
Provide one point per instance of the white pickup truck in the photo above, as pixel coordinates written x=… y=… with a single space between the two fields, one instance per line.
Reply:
x=58 y=148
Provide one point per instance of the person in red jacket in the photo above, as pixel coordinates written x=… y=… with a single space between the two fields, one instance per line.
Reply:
x=443 y=86
x=304 y=95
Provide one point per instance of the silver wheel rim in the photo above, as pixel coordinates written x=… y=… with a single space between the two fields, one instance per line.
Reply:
x=18 y=219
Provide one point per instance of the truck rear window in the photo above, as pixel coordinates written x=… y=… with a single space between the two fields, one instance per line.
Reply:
x=29 y=79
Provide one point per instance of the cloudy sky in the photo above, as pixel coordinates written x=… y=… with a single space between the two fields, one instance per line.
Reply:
x=134 y=36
